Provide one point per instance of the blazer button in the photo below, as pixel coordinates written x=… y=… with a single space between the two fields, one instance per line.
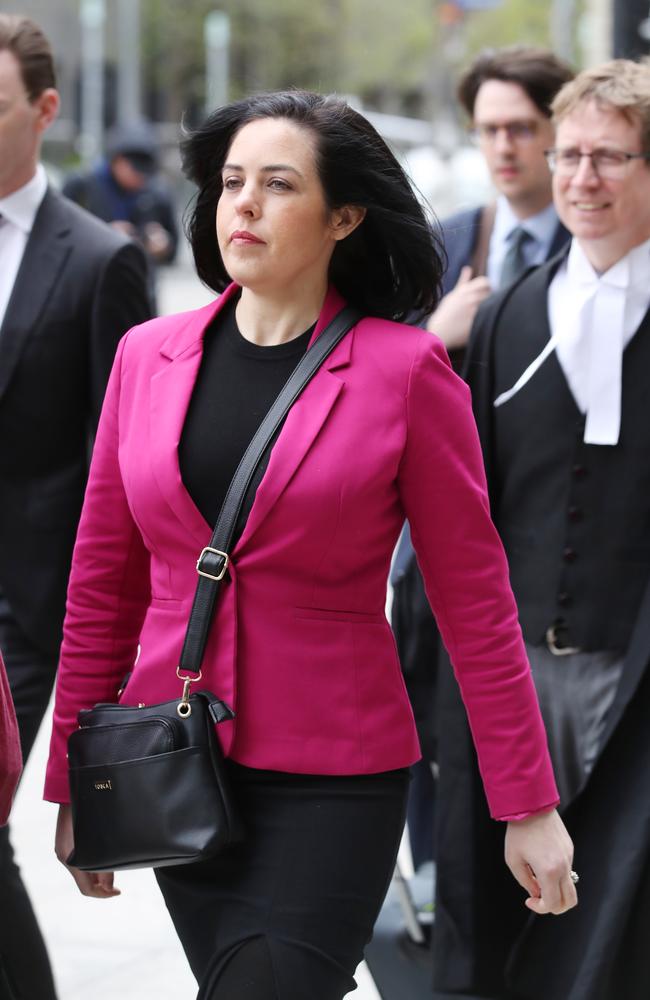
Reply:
x=564 y=599
x=569 y=555
x=576 y=513
x=579 y=471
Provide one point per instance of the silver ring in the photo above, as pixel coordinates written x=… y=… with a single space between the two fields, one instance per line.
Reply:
x=575 y=878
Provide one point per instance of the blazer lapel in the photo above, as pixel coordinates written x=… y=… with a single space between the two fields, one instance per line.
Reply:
x=304 y=421
x=171 y=391
x=44 y=258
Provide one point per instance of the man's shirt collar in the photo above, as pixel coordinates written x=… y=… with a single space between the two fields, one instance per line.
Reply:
x=20 y=207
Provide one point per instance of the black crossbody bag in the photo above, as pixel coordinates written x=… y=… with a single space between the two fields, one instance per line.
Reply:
x=148 y=784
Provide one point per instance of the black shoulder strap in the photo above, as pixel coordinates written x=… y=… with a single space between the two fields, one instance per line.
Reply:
x=212 y=563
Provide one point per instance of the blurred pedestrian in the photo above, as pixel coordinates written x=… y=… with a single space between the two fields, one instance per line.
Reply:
x=69 y=288
x=558 y=367
x=127 y=190
x=507 y=95
x=311 y=209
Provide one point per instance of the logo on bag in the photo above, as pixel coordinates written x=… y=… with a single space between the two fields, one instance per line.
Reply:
x=104 y=786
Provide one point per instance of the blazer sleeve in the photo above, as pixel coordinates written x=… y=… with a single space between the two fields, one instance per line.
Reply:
x=10 y=755
x=108 y=593
x=478 y=372
x=121 y=300
x=444 y=492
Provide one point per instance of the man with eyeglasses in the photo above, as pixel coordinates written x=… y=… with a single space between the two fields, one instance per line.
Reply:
x=507 y=95
x=558 y=367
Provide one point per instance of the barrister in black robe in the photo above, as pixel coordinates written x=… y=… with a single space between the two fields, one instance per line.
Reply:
x=485 y=942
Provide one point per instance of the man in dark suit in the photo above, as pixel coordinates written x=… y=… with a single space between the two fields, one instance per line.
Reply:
x=558 y=366
x=507 y=96
x=69 y=288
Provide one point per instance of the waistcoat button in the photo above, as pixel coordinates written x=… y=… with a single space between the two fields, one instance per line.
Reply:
x=569 y=555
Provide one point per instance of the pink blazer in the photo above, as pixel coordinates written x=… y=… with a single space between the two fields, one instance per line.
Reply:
x=10 y=755
x=300 y=646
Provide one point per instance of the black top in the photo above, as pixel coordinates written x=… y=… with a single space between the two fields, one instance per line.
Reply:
x=237 y=383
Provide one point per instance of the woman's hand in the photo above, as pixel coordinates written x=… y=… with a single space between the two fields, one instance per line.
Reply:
x=539 y=853
x=98 y=884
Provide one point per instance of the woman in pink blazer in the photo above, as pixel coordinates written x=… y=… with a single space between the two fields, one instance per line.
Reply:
x=311 y=209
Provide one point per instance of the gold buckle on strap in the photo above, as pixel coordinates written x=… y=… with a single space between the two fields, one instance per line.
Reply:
x=215 y=552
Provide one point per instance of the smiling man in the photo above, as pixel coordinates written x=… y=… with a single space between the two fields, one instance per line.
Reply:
x=558 y=366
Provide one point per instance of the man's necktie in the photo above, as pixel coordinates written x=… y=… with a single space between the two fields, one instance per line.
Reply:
x=514 y=261
x=589 y=337
x=598 y=356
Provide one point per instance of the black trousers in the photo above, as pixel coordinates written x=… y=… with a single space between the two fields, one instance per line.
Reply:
x=286 y=914
x=25 y=972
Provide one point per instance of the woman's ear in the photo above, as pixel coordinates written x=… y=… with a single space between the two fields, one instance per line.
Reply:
x=345 y=220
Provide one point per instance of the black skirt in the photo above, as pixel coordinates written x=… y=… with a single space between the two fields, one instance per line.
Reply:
x=286 y=914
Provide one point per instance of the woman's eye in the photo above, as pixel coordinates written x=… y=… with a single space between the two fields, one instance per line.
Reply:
x=230 y=183
x=277 y=184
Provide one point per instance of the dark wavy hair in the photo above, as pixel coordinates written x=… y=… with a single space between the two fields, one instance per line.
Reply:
x=539 y=73
x=391 y=265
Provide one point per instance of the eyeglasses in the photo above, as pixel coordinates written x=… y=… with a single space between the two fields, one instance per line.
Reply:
x=517 y=131
x=608 y=163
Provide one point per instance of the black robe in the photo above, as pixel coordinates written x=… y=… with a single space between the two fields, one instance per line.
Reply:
x=486 y=943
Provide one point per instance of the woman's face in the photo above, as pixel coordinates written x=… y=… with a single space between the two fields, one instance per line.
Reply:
x=274 y=229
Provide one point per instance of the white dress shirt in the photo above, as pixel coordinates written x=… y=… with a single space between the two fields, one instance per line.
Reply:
x=541 y=228
x=17 y=213
x=593 y=317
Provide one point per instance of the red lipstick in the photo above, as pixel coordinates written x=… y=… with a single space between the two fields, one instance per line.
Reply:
x=242 y=236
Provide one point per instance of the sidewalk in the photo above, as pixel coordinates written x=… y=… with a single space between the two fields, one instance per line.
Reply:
x=123 y=948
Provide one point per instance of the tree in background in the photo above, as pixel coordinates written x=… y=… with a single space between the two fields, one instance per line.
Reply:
x=400 y=56
x=396 y=57
x=512 y=22
x=380 y=52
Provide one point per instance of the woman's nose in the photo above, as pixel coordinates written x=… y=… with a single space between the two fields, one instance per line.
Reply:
x=247 y=202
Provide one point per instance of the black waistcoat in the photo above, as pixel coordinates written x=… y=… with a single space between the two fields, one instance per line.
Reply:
x=574 y=518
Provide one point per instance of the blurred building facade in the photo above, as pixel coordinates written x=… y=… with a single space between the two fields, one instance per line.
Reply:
x=143 y=57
